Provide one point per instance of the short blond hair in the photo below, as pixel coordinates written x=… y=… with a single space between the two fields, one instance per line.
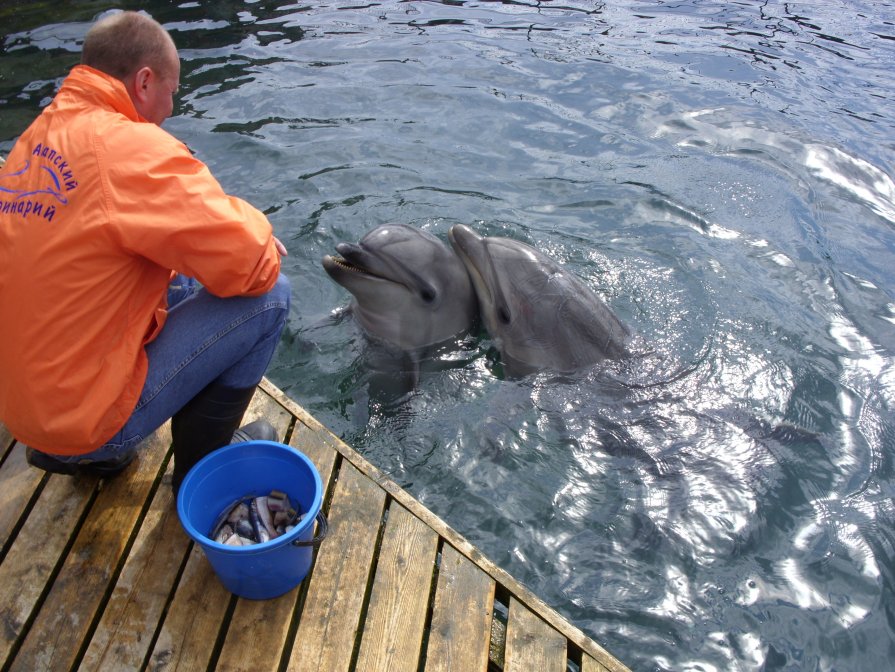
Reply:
x=124 y=42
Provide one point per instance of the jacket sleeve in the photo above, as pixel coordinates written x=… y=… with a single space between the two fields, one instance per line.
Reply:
x=163 y=204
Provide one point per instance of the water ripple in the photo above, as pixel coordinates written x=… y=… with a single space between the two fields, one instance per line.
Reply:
x=721 y=173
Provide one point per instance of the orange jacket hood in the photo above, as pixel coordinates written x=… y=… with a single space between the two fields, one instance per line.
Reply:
x=98 y=208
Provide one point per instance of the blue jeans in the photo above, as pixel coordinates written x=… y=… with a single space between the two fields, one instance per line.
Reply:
x=205 y=339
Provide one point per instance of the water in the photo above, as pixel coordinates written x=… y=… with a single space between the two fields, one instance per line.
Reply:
x=721 y=172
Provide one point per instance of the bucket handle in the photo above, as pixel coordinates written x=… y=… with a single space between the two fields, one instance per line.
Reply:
x=322 y=531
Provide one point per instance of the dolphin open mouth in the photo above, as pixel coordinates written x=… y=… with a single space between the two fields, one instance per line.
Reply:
x=346 y=265
x=355 y=259
x=339 y=266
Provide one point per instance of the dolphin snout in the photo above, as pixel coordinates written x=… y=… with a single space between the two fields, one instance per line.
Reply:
x=349 y=250
x=356 y=258
x=462 y=237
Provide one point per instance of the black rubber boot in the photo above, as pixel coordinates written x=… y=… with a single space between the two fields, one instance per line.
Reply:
x=257 y=430
x=102 y=468
x=206 y=423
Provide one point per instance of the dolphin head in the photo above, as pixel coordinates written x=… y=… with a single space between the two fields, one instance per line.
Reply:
x=409 y=289
x=539 y=315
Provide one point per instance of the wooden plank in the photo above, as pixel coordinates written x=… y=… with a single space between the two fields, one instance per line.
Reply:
x=36 y=553
x=265 y=406
x=18 y=483
x=68 y=612
x=461 y=616
x=131 y=617
x=393 y=631
x=256 y=634
x=588 y=664
x=6 y=440
x=322 y=454
x=187 y=638
x=531 y=643
x=327 y=632
x=573 y=634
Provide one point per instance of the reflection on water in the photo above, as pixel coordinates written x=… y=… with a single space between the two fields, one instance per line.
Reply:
x=721 y=173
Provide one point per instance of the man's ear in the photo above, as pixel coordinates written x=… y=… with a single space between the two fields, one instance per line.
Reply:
x=141 y=81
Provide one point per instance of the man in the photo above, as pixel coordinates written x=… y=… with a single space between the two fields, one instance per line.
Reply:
x=106 y=224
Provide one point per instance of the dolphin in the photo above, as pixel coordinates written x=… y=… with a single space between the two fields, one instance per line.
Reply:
x=540 y=316
x=410 y=290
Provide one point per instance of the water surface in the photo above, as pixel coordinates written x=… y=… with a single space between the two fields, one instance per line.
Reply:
x=721 y=173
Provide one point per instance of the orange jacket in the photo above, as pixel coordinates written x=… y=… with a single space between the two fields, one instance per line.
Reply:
x=98 y=208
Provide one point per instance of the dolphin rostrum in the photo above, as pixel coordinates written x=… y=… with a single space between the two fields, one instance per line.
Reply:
x=409 y=289
x=540 y=316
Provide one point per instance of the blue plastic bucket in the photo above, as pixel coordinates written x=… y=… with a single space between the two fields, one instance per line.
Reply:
x=253 y=469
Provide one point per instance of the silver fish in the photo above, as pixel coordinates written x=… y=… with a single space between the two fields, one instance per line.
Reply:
x=253 y=520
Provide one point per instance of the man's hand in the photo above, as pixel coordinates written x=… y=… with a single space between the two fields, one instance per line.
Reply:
x=280 y=247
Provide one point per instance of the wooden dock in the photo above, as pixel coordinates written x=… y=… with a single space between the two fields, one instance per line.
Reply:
x=99 y=575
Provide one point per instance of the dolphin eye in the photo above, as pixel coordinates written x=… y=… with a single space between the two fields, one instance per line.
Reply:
x=427 y=295
x=503 y=315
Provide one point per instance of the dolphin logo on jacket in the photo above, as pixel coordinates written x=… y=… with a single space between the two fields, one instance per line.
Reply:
x=54 y=190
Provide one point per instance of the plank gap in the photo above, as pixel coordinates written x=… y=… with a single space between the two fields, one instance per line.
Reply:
x=23 y=518
x=297 y=612
x=287 y=438
x=7 y=443
x=330 y=486
x=122 y=559
x=222 y=633
x=164 y=613
x=573 y=656
x=371 y=579
x=499 y=620
x=295 y=619
x=54 y=574
x=430 y=608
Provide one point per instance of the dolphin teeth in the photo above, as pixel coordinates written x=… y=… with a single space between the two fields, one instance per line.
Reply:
x=348 y=266
x=343 y=263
